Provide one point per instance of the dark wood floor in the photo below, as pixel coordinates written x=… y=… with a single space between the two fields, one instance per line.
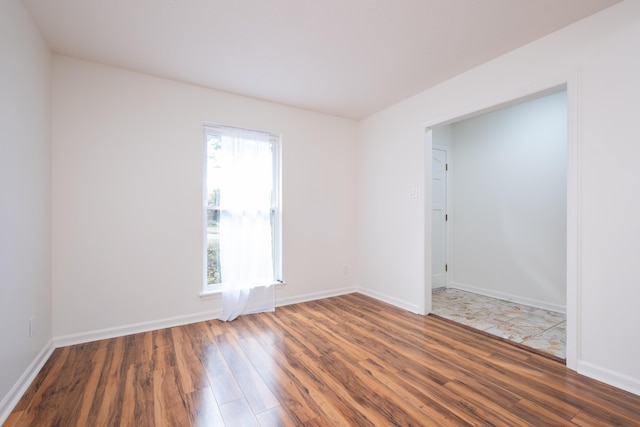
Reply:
x=348 y=360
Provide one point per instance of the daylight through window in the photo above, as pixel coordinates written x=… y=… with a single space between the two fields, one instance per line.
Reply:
x=241 y=207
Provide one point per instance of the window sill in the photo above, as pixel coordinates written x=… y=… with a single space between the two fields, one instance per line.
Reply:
x=217 y=293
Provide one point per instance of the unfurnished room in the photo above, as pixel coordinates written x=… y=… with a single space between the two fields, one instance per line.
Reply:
x=336 y=213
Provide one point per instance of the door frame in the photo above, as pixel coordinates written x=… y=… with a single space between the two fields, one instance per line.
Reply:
x=572 y=85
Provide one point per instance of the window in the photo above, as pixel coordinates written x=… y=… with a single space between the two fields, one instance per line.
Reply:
x=241 y=207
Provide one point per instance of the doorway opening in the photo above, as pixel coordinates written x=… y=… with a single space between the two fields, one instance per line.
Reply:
x=502 y=215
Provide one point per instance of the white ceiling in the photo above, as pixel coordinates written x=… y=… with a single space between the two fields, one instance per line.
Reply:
x=348 y=58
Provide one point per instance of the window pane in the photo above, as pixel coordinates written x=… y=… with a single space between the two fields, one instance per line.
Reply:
x=213 y=261
x=213 y=169
x=242 y=181
x=213 y=221
x=213 y=246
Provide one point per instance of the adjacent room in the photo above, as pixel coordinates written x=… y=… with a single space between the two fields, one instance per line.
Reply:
x=129 y=131
x=499 y=221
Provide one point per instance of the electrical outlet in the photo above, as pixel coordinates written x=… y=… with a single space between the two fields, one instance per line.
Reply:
x=345 y=270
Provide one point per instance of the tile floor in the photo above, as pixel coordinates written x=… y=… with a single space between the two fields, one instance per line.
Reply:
x=534 y=327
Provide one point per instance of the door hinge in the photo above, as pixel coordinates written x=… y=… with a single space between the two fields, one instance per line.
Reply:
x=446 y=166
x=446 y=267
x=446 y=217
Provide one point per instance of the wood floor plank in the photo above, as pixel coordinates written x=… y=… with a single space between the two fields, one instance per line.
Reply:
x=221 y=380
x=111 y=382
x=411 y=400
x=516 y=379
x=137 y=401
x=491 y=411
x=238 y=413
x=295 y=338
x=312 y=388
x=162 y=342
x=540 y=414
x=335 y=404
x=344 y=361
x=189 y=369
x=460 y=405
x=169 y=403
x=500 y=377
x=253 y=387
x=256 y=328
x=14 y=419
x=280 y=380
x=275 y=417
x=203 y=409
x=74 y=375
x=98 y=361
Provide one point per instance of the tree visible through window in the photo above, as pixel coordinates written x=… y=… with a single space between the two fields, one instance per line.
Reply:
x=241 y=207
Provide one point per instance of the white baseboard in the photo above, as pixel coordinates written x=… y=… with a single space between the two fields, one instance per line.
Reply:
x=343 y=291
x=390 y=300
x=135 y=328
x=558 y=308
x=616 y=379
x=314 y=296
x=13 y=396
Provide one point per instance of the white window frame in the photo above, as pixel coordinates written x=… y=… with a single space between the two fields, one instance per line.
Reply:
x=276 y=209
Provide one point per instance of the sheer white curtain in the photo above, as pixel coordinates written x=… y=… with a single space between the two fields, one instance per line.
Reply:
x=246 y=257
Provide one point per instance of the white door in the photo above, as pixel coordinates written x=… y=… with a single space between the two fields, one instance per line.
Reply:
x=439 y=218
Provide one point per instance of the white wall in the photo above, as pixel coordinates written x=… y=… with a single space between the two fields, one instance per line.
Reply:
x=508 y=202
x=443 y=137
x=25 y=201
x=600 y=54
x=127 y=191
